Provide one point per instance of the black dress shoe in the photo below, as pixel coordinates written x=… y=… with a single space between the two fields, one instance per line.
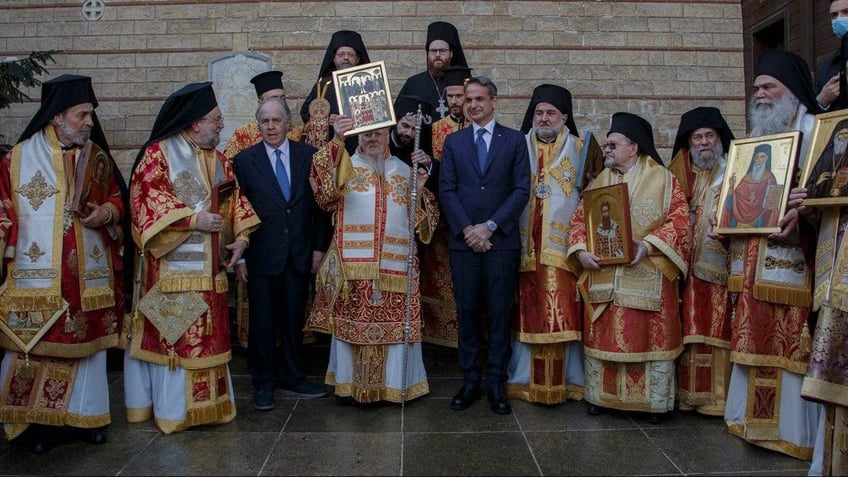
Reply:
x=656 y=418
x=498 y=400
x=40 y=446
x=94 y=436
x=467 y=394
x=594 y=410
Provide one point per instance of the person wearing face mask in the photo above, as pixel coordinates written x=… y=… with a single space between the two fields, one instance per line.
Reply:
x=827 y=77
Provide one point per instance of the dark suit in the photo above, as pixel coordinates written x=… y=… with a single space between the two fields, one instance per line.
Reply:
x=279 y=261
x=470 y=196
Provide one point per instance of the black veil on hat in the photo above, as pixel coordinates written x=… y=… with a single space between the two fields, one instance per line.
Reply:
x=447 y=32
x=182 y=108
x=555 y=95
x=638 y=130
x=702 y=117
x=456 y=75
x=266 y=81
x=408 y=104
x=794 y=72
x=59 y=94
x=339 y=39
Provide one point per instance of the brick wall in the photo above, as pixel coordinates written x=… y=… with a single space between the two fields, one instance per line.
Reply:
x=653 y=58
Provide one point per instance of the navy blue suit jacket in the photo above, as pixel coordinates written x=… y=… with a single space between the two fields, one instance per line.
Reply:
x=290 y=230
x=500 y=192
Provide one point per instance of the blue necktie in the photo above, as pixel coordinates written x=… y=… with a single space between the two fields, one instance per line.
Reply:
x=481 y=149
x=282 y=177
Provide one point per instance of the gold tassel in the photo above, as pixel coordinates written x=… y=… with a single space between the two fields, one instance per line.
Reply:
x=734 y=283
x=208 y=323
x=172 y=361
x=806 y=340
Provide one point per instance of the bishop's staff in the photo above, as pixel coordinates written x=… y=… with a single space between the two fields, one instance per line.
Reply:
x=420 y=118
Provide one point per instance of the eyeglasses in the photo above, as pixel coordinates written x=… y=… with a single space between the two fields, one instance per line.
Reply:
x=439 y=51
x=218 y=120
x=700 y=137
x=612 y=145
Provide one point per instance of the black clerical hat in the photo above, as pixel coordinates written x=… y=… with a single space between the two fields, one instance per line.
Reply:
x=182 y=108
x=638 y=130
x=179 y=111
x=794 y=72
x=555 y=95
x=264 y=82
x=407 y=104
x=339 y=39
x=447 y=32
x=456 y=75
x=59 y=94
x=701 y=117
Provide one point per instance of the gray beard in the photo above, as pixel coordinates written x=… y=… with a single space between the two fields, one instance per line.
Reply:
x=772 y=120
x=706 y=164
x=75 y=138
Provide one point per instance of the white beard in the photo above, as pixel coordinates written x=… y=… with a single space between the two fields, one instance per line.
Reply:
x=772 y=120
x=839 y=147
x=757 y=171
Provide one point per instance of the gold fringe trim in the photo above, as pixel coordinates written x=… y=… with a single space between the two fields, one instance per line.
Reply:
x=222 y=284
x=220 y=413
x=180 y=284
x=784 y=295
x=88 y=422
x=97 y=298
x=734 y=283
x=27 y=300
x=30 y=416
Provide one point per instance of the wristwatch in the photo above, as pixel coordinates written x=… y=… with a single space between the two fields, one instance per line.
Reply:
x=491 y=225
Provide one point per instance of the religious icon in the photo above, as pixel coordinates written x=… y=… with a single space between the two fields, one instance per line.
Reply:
x=362 y=93
x=756 y=184
x=93 y=171
x=608 y=229
x=825 y=173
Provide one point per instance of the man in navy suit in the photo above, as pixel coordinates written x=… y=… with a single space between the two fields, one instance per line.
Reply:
x=287 y=247
x=483 y=186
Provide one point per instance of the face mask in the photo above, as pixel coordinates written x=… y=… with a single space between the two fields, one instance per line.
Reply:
x=840 y=26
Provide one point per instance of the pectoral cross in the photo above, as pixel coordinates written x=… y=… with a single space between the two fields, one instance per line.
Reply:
x=442 y=109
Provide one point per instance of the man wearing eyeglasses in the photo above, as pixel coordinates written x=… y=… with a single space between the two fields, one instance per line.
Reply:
x=631 y=326
x=704 y=367
x=178 y=344
x=443 y=50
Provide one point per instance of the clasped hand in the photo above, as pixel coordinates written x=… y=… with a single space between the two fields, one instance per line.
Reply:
x=477 y=238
